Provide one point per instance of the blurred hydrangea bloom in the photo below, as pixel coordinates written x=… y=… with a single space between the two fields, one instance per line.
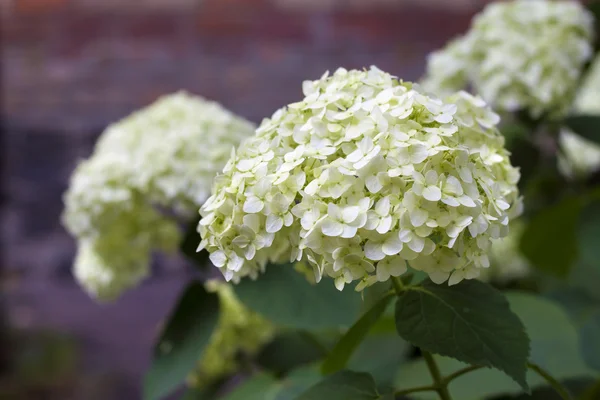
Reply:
x=581 y=156
x=363 y=175
x=239 y=332
x=507 y=263
x=161 y=158
x=522 y=54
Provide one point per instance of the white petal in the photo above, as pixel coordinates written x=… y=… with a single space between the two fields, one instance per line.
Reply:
x=405 y=235
x=334 y=211
x=408 y=254
x=355 y=156
x=443 y=118
x=453 y=230
x=288 y=219
x=252 y=221
x=253 y=205
x=349 y=231
x=250 y=252
x=274 y=223
x=419 y=154
x=339 y=283
x=397 y=266
x=432 y=193
x=365 y=203
x=332 y=228
x=349 y=214
x=438 y=277
x=429 y=247
x=218 y=258
x=384 y=225
x=235 y=262
x=503 y=205
x=373 y=221
x=228 y=274
x=466 y=201
x=485 y=261
x=431 y=177
x=453 y=186
x=451 y=201
x=392 y=246
x=418 y=217
x=456 y=277
x=382 y=272
x=374 y=251
x=416 y=244
x=383 y=206
x=373 y=184
x=465 y=174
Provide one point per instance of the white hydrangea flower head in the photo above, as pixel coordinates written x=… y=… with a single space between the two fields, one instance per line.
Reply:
x=507 y=263
x=176 y=146
x=447 y=68
x=521 y=54
x=579 y=156
x=239 y=330
x=105 y=269
x=364 y=176
x=147 y=170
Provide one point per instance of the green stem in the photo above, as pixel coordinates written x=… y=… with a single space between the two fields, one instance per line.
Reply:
x=398 y=285
x=461 y=372
x=414 y=390
x=556 y=385
x=439 y=383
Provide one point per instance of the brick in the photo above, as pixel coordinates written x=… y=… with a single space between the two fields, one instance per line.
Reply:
x=39 y=6
x=371 y=5
x=135 y=6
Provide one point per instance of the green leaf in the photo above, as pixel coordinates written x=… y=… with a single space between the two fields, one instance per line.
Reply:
x=590 y=341
x=345 y=347
x=182 y=341
x=343 y=385
x=586 y=126
x=554 y=346
x=298 y=381
x=258 y=387
x=285 y=297
x=372 y=294
x=578 y=304
x=289 y=350
x=585 y=277
x=470 y=321
x=189 y=245
x=199 y=394
x=584 y=311
x=589 y=234
x=549 y=240
x=554 y=341
x=380 y=354
x=266 y=387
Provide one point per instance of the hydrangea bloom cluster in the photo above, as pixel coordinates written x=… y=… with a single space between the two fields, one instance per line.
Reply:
x=160 y=158
x=239 y=330
x=522 y=54
x=364 y=175
x=581 y=156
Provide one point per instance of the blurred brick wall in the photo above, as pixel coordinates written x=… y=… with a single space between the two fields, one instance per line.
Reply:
x=69 y=67
x=79 y=63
